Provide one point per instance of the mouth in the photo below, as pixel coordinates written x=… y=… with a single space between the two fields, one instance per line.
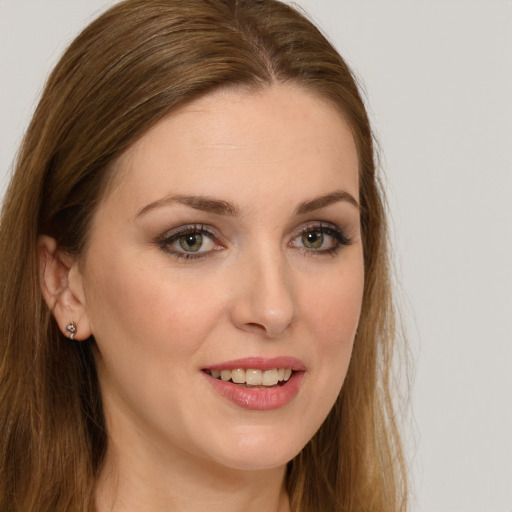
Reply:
x=253 y=378
x=257 y=383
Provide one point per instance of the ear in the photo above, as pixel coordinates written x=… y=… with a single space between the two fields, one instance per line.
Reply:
x=62 y=288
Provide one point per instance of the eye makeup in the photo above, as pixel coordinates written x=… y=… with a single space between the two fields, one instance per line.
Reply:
x=191 y=241
x=194 y=241
x=320 y=238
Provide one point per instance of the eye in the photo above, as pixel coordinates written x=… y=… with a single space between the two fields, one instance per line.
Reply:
x=321 y=238
x=313 y=239
x=190 y=241
x=193 y=242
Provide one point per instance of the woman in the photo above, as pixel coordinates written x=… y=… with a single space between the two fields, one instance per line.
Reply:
x=195 y=305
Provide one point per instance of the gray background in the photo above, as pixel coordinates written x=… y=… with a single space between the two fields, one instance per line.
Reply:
x=438 y=76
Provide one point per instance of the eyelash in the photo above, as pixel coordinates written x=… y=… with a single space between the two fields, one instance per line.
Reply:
x=341 y=239
x=192 y=229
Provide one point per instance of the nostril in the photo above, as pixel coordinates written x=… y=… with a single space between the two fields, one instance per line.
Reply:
x=254 y=324
x=271 y=330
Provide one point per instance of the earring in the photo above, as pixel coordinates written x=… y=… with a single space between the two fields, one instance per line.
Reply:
x=71 y=330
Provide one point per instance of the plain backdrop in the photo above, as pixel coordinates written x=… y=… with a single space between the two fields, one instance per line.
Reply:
x=437 y=77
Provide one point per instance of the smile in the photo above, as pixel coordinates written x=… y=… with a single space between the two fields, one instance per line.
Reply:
x=256 y=383
x=253 y=377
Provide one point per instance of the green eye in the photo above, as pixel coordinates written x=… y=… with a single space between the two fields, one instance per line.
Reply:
x=313 y=239
x=191 y=242
x=320 y=238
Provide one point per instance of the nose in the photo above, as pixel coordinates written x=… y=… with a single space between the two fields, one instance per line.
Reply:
x=264 y=301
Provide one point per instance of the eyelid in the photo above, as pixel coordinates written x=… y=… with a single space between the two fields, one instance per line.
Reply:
x=170 y=236
x=340 y=235
x=191 y=228
x=320 y=225
x=165 y=241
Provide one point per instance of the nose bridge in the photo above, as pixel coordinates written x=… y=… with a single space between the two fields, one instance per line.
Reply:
x=266 y=300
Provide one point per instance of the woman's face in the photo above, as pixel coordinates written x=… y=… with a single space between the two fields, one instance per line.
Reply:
x=229 y=243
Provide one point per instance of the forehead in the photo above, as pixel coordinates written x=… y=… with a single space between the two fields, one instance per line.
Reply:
x=276 y=137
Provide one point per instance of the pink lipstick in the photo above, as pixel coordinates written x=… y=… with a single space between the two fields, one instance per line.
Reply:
x=257 y=383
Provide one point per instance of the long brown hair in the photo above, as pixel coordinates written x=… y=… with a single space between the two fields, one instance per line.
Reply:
x=124 y=72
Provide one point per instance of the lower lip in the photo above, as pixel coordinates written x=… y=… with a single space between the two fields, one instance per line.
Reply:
x=258 y=399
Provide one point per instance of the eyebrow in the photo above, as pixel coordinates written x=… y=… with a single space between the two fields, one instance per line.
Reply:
x=220 y=207
x=204 y=203
x=323 y=201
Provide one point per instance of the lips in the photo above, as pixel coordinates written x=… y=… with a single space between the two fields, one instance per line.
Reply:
x=257 y=383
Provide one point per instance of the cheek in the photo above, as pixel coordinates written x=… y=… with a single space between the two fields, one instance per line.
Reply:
x=333 y=310
x=332 y=317
x=331 y=313
x=148 y=308
x=148 y=323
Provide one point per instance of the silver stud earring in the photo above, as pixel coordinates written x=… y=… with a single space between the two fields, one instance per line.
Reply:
x=71 y=330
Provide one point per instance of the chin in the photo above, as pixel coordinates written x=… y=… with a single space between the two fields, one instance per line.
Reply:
x=257 y=451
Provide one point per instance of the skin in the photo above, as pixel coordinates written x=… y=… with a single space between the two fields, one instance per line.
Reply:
x=257 y=290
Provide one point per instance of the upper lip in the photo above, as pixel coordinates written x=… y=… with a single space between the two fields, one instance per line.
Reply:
x=260 y=363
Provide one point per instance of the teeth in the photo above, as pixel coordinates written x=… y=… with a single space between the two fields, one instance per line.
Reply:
x=269 y=378
x=253 y=377
x=238 y=376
